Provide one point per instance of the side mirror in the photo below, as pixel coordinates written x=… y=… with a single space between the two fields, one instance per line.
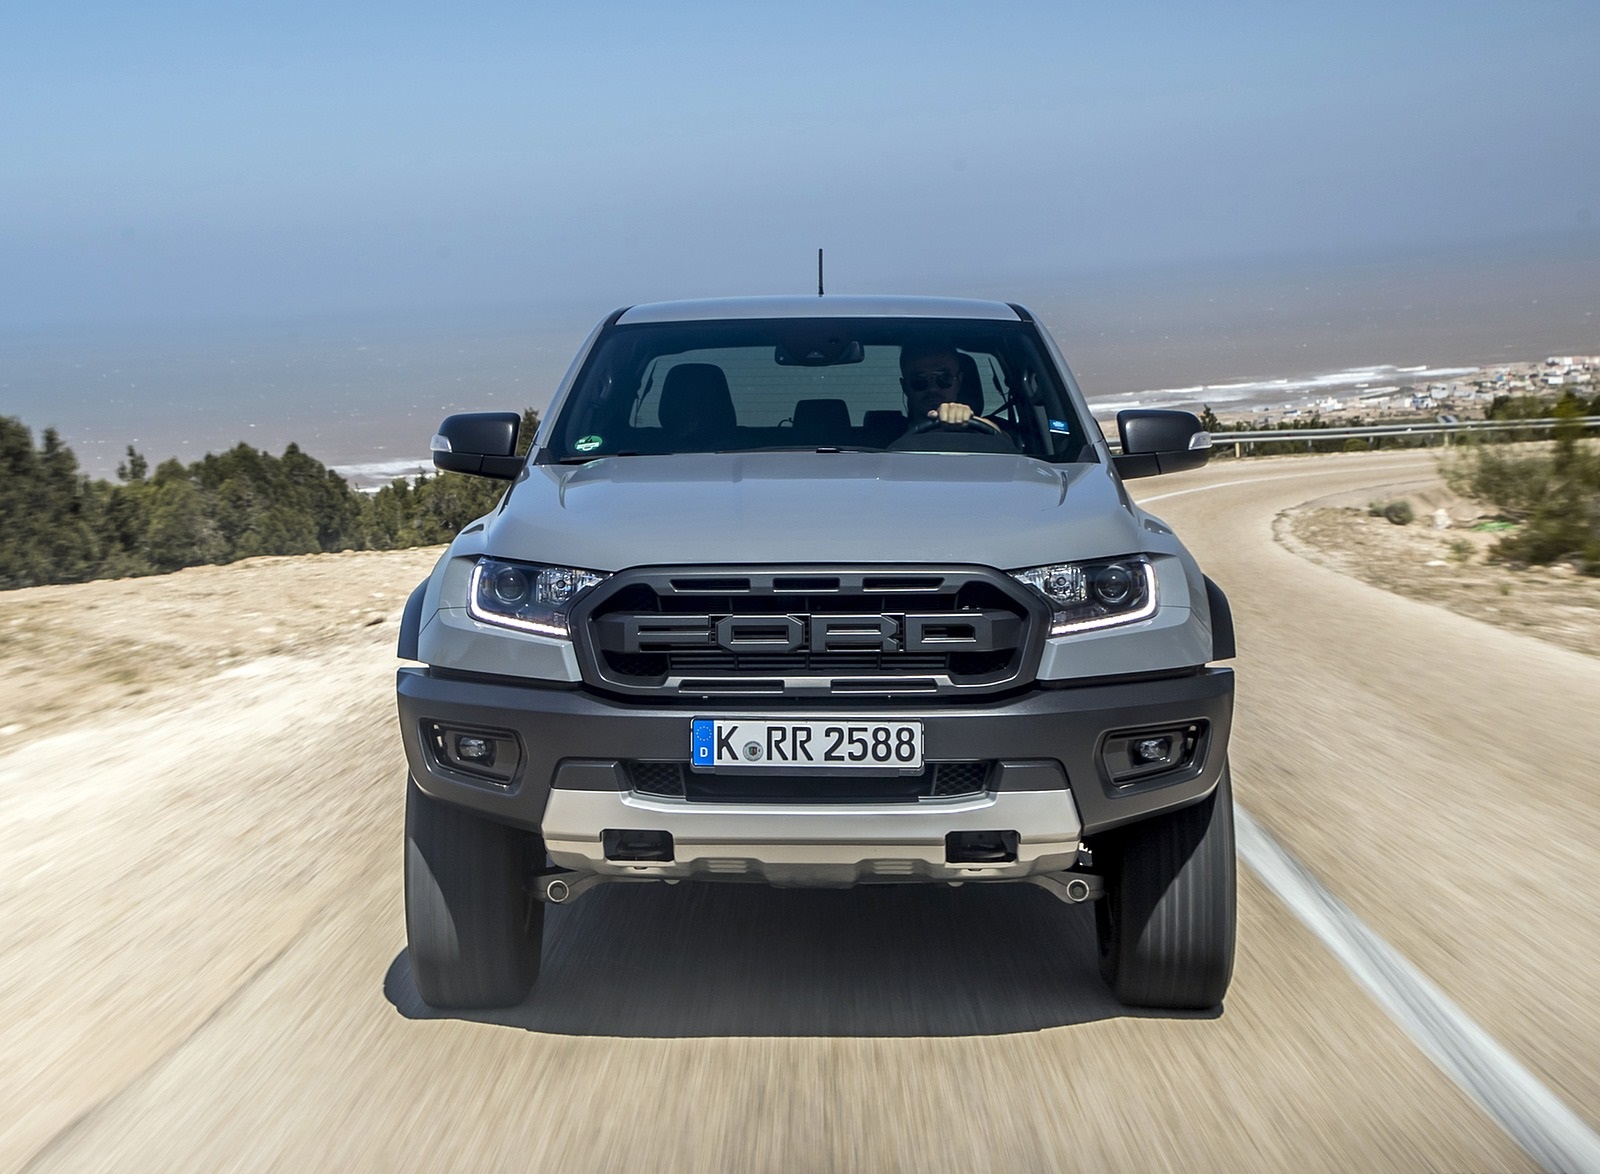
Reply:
x=1155 y=440
x=483 y=444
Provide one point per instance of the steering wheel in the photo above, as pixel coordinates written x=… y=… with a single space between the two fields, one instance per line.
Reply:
x=970 y=424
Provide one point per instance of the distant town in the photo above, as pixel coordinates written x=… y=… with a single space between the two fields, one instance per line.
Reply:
x=1466 y=397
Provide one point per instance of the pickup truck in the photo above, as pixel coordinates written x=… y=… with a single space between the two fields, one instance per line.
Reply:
x=818 y=592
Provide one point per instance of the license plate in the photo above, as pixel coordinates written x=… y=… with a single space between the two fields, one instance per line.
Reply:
x=804 y=744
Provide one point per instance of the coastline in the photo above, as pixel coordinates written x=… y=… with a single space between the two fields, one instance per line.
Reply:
x=1374 y=392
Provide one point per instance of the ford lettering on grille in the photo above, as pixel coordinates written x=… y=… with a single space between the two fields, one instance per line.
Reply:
x=807 y=631
x=962 y=631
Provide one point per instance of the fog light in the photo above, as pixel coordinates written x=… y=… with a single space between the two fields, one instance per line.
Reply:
x=472 y=748
x=490 y=755
x=1149 y=749
x=1133 y=755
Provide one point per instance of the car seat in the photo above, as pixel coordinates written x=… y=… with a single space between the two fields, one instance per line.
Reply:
x=880 y=426
x=696 y=409
x=821 y=421
x=971 y=383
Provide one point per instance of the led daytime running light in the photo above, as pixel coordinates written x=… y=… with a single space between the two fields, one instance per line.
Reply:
x=527 y=597
x=1087 y=596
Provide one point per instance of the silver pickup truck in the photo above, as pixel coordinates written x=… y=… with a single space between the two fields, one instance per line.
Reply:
x=818 y=592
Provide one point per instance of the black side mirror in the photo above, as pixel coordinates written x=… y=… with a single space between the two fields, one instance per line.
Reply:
x=483 y=444
x=1155 y=440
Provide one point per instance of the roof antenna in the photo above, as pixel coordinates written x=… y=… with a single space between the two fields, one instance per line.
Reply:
x=819 y=273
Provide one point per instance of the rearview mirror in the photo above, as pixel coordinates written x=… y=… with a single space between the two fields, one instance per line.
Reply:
x=818 y=351
x=482 y=444
x=1157 y=440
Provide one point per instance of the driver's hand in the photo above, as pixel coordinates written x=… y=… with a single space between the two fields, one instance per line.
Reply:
x=957 y=413
x=952 y=413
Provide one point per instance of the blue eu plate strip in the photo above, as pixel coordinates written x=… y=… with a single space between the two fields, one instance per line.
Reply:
x=700 y=743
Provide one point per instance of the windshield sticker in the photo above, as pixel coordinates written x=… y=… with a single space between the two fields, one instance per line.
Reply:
x=1059 y=426
x=588 y=444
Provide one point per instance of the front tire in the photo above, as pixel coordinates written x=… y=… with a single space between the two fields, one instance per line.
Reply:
x=1166 y=924
x=473 y=928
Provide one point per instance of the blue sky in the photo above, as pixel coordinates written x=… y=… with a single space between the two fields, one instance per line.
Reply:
x=169 y=160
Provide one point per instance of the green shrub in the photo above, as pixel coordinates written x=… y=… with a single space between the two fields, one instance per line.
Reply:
x=1398 y=512
x=1554 y=494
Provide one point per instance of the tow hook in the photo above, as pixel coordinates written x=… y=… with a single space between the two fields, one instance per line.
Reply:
x=1072 y=887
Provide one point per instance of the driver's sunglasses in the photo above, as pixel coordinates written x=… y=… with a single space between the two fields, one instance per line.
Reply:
x=943 y=379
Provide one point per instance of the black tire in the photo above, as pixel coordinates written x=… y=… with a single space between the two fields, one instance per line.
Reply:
x=1166 y=924
x=473 y=929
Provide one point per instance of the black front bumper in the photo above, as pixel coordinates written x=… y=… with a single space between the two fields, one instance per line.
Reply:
x=583 y=737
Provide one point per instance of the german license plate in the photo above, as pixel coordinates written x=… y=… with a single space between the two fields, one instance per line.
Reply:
x=804 y=744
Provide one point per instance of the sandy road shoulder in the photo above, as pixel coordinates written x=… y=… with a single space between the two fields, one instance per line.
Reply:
x=1446 y=566
x=168 y=738
x=113 y=646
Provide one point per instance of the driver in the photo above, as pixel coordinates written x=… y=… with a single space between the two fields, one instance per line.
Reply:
x=930 y=376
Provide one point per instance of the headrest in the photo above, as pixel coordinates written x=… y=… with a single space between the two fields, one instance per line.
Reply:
x=880 y=426
x=695 y=398
x=822 y=418
x=971 y=382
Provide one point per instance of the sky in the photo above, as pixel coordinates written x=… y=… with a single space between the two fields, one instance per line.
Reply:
x=333 y=223
x=169 y=160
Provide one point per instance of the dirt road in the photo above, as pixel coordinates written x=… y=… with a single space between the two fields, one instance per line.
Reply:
x=201 y=941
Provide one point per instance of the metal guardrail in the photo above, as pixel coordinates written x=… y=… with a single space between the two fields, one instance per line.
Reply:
x=1312 y=436
x=1398 y=429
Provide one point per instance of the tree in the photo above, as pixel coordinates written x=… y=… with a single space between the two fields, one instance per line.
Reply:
x=59 y=526
x=66 y=534
x=134 y=469
x=181 y=531
x=19 y=558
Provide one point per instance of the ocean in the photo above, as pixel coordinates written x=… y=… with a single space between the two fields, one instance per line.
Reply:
x=366 y=394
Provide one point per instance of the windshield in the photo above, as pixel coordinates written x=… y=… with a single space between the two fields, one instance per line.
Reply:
x=770 y=384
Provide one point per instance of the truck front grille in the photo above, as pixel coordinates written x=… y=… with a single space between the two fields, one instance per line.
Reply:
x=808 y=632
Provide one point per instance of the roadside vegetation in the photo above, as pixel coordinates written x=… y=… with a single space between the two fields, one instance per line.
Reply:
x=59 y=526
x=1551 y=494
x=1542 y=485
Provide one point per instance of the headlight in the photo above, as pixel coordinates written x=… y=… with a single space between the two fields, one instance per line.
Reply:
x=1083 y=596
x=526 y=596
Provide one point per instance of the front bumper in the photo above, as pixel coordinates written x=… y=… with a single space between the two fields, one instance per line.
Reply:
x=813 y=844
x=573 y=745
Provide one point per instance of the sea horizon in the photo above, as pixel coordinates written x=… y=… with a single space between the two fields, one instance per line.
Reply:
x=359 y=392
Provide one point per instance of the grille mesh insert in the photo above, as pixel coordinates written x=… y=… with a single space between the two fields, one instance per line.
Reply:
x=657 y=778
x=826 y=630
x=959 y=778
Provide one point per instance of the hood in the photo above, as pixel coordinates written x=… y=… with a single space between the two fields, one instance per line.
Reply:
x=809 y=507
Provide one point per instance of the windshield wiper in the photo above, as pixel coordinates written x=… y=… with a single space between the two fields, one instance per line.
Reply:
x=585 y=458
x=802 y=448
